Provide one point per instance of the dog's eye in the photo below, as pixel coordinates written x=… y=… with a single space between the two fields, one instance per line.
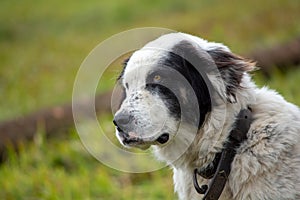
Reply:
x=156 y=78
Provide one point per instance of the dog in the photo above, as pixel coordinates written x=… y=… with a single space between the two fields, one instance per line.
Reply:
x=182 y=95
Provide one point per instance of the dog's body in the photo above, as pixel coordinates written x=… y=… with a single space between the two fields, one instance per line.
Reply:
x=188 y=120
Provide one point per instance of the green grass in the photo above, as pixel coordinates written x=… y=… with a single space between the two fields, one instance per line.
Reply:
x=64 y=170
x=286 y=84
x=42 y=45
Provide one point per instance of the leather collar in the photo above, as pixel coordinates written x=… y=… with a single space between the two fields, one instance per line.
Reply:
x=221 y=165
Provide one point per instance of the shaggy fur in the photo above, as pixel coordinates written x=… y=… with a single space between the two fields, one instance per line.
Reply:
x=267 y=164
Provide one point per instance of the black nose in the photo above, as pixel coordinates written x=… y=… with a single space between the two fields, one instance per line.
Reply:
x=122 y=121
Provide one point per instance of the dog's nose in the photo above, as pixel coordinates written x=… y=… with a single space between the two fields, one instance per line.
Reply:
x=122 y=120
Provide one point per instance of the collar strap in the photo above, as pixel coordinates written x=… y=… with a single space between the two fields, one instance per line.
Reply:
x=221 y=164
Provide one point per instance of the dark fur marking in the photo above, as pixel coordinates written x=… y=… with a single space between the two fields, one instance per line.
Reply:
x=178 y=59
x=165 y=89
x=168 y=98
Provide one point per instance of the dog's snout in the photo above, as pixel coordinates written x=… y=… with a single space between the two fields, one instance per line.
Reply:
x=123 y=120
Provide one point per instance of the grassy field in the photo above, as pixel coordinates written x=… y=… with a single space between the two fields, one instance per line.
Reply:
x=42 y=45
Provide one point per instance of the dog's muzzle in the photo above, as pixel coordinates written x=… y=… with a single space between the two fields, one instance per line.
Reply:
x=125 y=122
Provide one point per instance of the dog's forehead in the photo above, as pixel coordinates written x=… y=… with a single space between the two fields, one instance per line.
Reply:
x=156 y=51
x=145 y=59
x=139 y=65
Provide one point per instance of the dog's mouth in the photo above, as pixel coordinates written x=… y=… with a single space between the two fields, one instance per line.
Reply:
x=132 y=139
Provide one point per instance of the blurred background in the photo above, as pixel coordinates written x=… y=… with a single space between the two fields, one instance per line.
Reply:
x=42 y=44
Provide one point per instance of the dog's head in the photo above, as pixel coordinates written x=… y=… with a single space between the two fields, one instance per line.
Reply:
x=171 y=81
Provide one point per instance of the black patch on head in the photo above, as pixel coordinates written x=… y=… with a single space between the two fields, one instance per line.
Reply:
x=178 y=59
x=231 y=67
x=167 y=96
x=164 y=87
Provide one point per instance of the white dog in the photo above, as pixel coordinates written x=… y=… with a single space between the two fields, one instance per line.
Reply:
x=182 y=96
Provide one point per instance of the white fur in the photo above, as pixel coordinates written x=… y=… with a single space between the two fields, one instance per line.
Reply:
x=267 y=165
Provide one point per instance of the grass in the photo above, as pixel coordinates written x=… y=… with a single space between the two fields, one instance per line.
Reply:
x=70 y=172
x=285 y=84
x=42 y=45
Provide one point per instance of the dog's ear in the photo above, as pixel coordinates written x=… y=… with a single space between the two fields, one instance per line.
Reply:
x=124 y=64
x=232 y=68
x=119 y=93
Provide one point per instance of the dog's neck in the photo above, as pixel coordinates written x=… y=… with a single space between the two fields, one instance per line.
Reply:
x=211 y=136
x=188 y=151
x=219 y=123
